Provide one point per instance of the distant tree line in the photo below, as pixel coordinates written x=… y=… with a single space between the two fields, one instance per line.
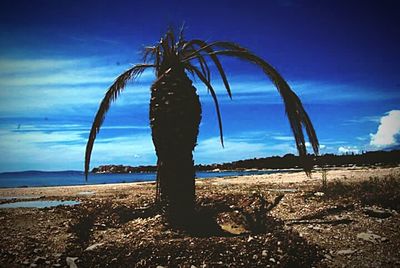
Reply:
x=278 y=162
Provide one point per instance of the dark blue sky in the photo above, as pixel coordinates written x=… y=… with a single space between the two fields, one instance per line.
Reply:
x=57 y=58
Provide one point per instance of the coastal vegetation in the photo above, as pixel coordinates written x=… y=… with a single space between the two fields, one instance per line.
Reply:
x=379 y=158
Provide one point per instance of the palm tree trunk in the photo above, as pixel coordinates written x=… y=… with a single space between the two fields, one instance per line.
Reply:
x=175 y=115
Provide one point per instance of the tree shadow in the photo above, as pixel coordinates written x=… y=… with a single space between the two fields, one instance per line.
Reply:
x=233 y=229
x=223 y=218
x=262 y=240
x=101 y=216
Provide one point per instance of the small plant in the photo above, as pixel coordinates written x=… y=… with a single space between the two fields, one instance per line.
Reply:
x=324 y=179
x=257 y=217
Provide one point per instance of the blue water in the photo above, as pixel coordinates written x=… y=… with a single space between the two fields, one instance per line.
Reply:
x=39 y=204
x=64 y=178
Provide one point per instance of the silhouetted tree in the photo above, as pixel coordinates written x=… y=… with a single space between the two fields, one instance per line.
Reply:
x=175 y=111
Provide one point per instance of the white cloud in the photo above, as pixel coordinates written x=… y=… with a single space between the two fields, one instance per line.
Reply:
x=30 y=86
x=388 y=129
x=348 y=149
x=309 y=147
x=283 y=138
x=61 y=150
x=8 y=65
x=23 y=101
x=59 y=72
x=365 y=119
x=256 y=90
x=65 y=127
x=211 y=151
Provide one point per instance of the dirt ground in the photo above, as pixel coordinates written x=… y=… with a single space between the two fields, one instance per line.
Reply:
x=277 y=220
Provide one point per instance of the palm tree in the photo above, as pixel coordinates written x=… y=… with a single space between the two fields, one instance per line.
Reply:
x=175 y=111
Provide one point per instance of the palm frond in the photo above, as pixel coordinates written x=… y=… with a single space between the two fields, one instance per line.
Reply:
x=203 y=45
x=110 y=96
x=181 y=39
x=214 y=96
x=149 y=53
x=220 y=44
x=203 y=65
x=297 y=116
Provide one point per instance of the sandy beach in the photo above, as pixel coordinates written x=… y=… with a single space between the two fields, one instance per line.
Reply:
x=353 y=222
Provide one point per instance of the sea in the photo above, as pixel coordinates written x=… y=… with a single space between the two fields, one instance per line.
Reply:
x=67 y=178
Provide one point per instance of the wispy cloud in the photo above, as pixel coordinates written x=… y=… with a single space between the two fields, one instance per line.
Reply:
x=65 y=150
x=388 y=130
x=348 y=149
x=210 y=150
x=69 y=127
x=69 y=100
x=364 y=119
x=283 y=138
x=48 y=85
x=10 y=66
x=59 y=72
x=253 y=90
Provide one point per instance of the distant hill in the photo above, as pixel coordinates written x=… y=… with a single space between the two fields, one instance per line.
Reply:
x=278 y=162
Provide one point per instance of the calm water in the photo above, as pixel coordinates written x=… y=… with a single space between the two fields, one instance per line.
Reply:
x=62 y=178
x=39 y=204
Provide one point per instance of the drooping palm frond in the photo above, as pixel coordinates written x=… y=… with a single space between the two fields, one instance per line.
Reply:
x=297 y=116
x=110 y=96
x=149 y=53
x=202 y=62
x=204 y=46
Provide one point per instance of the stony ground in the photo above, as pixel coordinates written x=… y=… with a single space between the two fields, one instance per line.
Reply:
x=280 y=220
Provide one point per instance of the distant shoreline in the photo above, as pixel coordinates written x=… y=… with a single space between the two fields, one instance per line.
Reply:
x=350 y=173
x=70 y=178
x=288 y=161
x=65 y=179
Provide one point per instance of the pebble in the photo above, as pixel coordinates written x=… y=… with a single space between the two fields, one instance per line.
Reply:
x=377 y=213
x=346 y=251
x=94 y=246
x=71 y=262
x=39 y=260
x=272 y=260
x=264 y=253
x=374 y=238
x=58 y=255
x=328 y=257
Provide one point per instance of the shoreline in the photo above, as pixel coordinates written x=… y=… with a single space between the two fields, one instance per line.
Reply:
x=298 y=176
